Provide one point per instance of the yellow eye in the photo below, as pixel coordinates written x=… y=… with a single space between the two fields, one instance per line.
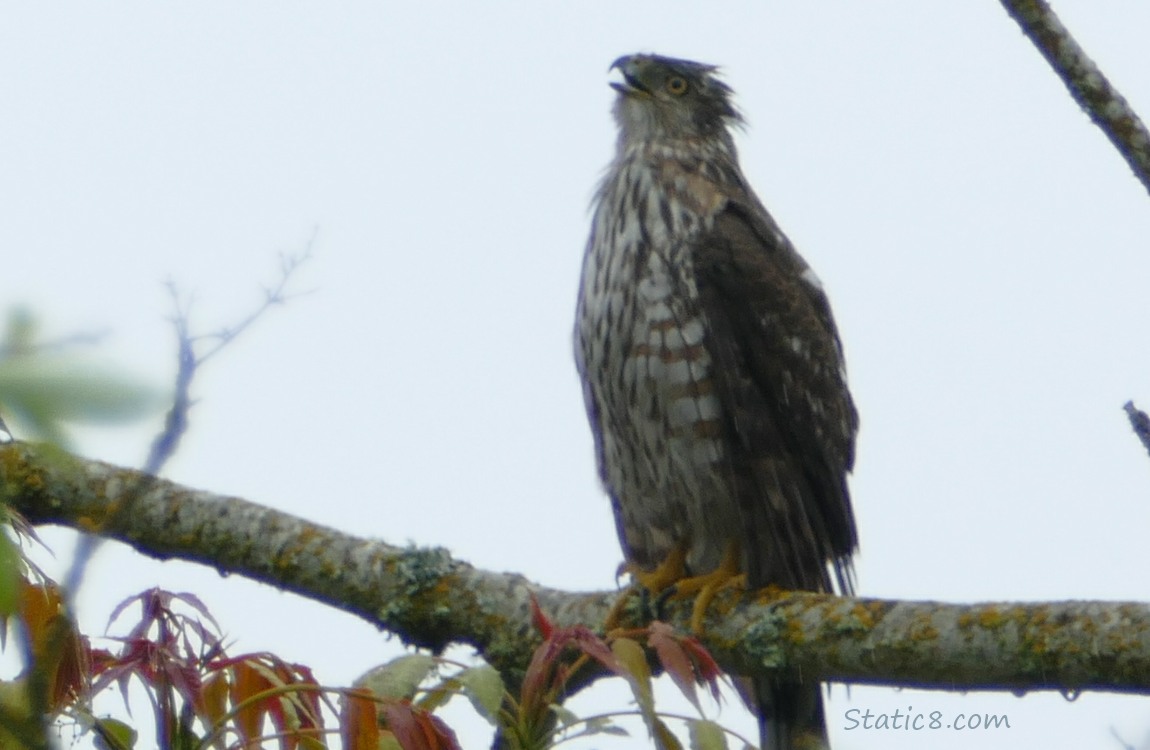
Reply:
x=677 y=85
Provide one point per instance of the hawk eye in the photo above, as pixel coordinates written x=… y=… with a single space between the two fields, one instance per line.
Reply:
x=677 y=85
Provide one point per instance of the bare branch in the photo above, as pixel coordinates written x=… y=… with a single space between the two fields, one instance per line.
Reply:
x=430 y=599
x=1087 y=85
x=189 y=361
x=276 y=294
x=1140 y=422
x=176 y=422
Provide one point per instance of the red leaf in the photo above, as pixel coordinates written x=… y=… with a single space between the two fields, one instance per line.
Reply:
x=213 y=698
x=706 y=668
x=404 y=723
x=306 y=719
x=595 y=647
x=248 y=681
x=686 y=660
x=294 y=714
x=99 y=658
x=416 y=729
x=542 y=624
x=444 y=736
x=359 y=721
x=535 y=677
x=57 y=646
x=674 y=660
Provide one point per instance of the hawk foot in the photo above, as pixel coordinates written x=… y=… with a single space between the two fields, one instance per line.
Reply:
x=659 y=582
x=670 y=581
x=704 y=587
x=667 y=574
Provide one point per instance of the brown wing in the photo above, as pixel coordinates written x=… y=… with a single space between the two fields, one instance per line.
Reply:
x=788 y=417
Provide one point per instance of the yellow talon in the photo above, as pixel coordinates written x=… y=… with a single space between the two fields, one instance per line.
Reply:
x=672 y=573
x=666 y=574
x=705 y=586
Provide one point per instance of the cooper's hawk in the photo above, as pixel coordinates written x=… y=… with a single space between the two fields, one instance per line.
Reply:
x=711 y=366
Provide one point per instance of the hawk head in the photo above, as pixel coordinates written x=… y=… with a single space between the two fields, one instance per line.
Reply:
x=665 y=98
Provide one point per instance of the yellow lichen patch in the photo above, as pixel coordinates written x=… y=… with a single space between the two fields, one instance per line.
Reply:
x=86 y=523
x=991 y=618
x=795 y=631
x=447 y=586
x=769 y=594
x=34 y=480
x=19 y=473
x=863 y=615
x=307 y=534
x=329 y=568
x=113 y=507
x=1019 y=614
x=297 y=548
x=725 y=602
x=1040 y=631
x=923 y=629
x=1118 y=642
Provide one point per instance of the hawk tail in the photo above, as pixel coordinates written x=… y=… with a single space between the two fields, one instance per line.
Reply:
x=790 y=715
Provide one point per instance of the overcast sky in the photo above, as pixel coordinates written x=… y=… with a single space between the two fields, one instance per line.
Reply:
x=984 y=247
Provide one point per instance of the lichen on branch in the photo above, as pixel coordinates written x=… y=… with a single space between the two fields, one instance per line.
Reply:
x=429 y=599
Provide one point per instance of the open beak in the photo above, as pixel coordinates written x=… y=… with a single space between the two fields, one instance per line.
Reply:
x=630 y=85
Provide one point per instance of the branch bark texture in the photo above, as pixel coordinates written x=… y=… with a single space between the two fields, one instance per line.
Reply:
x=429 y=599
x=1088 y=86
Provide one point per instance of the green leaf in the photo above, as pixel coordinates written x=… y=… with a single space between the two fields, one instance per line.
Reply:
x=634 y=662
x=566 y=716
x=11 y=570
x=43 y=391
x=706 y=735
x=112 y=734
x=484 y=688
x=388 y=741
x=604 y=725
x=664 y=739
x=400 y=677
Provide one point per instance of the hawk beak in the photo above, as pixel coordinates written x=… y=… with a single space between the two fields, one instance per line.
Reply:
x=630 y=85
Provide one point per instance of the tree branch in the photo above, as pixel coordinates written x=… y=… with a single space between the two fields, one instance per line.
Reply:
x=1139 y=422
x=189 y=361
x=429 y=599
x=1087 y=85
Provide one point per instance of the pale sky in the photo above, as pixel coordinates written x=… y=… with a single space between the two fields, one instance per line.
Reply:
x=984 y=247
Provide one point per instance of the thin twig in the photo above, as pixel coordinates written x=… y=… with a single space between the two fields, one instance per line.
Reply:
x=1140 y=422
x=275 y=295
x=176 y=422
x=1087 y=85
x=1123 y=744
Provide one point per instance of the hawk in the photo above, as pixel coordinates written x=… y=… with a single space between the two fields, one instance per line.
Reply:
x=712 y=370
